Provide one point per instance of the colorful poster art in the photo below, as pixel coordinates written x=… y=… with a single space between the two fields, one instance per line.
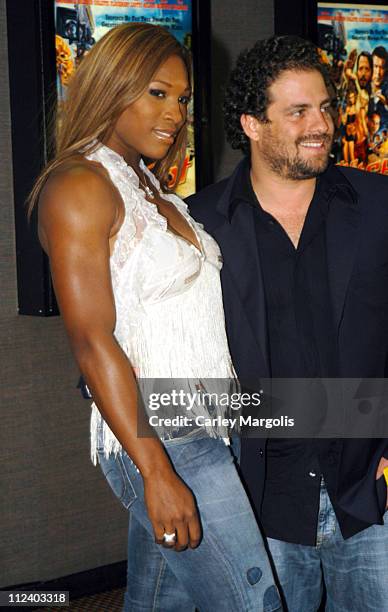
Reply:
x=79 y=25
x=353 y=40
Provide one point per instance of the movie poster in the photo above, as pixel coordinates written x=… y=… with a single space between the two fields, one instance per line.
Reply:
x=79 y=25
x=353 y=40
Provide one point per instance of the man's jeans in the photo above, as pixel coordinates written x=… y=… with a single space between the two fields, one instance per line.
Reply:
x=229 y=571
x=355 y=571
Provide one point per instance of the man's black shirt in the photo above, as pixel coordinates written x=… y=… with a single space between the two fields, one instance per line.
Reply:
x=302 y=345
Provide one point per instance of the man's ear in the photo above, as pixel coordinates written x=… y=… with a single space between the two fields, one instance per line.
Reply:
x=251 y=126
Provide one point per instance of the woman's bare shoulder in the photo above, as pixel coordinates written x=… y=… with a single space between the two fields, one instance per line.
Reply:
x=78 y=200
x=77 y=176
x=79 y=187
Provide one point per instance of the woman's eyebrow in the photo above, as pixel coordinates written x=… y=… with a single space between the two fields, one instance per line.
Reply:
x=167 y=84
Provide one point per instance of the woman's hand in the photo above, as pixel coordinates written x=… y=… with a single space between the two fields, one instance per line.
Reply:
x=172 y=509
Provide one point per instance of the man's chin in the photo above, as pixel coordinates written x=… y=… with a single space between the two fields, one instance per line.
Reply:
x=300 y=172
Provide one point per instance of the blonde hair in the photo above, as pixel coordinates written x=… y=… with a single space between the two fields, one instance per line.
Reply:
x=115 y=73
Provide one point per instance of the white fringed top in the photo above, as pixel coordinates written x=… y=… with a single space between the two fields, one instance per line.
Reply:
x=169 y=313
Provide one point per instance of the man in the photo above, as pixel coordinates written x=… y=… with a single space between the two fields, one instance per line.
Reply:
x=305 y=290
x=364 y=70
x=379 y=60
x=374 y=124
x=374 y=139
x=378 y=99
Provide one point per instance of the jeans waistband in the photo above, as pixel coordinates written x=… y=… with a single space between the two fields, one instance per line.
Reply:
x=197 y=434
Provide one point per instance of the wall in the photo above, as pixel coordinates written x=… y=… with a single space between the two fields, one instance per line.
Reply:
x=235 y=26
x=57 y=516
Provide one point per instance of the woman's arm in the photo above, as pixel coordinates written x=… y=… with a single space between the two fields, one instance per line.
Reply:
x=79 y=211
x=344 y=115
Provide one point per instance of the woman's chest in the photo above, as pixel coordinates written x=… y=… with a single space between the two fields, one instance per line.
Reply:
x=164 y=264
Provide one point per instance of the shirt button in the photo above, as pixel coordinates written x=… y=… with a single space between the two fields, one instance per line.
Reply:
x=261 y=452
x=312 y=474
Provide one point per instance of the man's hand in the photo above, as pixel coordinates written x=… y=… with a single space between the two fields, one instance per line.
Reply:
x=380 y=472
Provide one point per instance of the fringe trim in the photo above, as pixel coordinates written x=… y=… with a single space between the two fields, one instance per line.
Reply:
x=101 y=436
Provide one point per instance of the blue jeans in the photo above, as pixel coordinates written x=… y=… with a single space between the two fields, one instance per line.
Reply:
x=355 y=571
x=229 y=571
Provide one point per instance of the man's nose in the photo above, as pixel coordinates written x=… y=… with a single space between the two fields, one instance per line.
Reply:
x=322 y=122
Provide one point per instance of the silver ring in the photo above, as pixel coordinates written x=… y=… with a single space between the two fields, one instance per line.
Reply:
x=169 y=537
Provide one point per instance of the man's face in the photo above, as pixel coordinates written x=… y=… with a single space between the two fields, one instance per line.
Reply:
x=296 y=142
x=378 y=71
x=374 y=124
x=364 y=73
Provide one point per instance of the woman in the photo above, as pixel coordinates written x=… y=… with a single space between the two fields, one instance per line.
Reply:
x=137 y=281
x=349 y=121
x=358 y=102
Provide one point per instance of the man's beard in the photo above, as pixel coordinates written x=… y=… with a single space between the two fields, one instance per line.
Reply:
x=363 y=82
x=294 y=167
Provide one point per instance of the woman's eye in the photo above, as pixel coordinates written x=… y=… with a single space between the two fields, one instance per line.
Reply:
x=184 y=99
x=158 y=93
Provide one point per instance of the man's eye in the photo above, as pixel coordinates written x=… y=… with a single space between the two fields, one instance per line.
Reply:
x=184 y=99
x=325 y=109
x=298 y=113
x=158 y=93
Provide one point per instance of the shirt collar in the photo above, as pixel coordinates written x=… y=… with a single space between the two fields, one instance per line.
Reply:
x=239 y=188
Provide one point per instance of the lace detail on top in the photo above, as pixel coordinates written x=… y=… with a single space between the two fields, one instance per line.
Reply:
x=169 y=314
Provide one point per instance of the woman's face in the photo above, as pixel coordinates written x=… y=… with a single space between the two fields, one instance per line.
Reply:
x=148 y=126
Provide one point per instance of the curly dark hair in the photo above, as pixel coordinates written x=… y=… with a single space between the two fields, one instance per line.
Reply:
x=256 y=69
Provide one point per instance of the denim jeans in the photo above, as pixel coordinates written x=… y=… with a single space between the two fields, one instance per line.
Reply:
x=229 y=571
x=355 y=571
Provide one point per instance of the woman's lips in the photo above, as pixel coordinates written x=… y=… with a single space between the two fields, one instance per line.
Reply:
x=167 y=136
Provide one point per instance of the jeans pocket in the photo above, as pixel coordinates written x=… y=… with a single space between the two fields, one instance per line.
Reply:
x=118 y=479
